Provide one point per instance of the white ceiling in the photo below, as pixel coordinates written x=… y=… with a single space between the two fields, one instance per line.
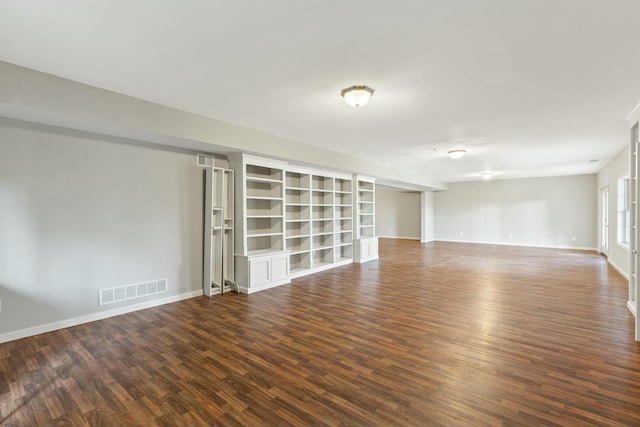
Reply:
x=527 y=87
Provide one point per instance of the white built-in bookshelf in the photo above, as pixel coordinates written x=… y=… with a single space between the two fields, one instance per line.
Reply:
x=298 y=221
x=264 y=209
x=366 y=244
x=219 y=266
x=344 y=220
x=290 y=221
x=319 y=222
x=267 y=221
x=261 y=259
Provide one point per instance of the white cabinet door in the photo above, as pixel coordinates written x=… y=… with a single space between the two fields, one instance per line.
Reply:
x=365 y=246
x=256 y=273
x=279 y=267
x=372 y=249
x=259 y=271
x=366 y=249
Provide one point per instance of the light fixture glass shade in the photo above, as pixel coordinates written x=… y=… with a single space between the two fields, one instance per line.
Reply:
x=486 y=175
x=357 y=96
x=457 y=154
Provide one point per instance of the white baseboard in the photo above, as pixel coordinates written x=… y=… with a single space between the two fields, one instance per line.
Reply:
x=302 y=273
x=577 y=248
x=363 y=260
x=618 y=269
x=398 y=237
x=67 y=323
x=254 y=289
x=632 y=309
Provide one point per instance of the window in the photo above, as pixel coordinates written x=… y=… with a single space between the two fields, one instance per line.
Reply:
x=624 y=219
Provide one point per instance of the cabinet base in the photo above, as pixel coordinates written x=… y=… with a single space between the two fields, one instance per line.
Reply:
x=366 y=249
x=306 y=272
x=253 y=289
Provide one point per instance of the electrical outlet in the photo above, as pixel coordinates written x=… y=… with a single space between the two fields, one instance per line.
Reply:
x=0 y=305
x=573 y=238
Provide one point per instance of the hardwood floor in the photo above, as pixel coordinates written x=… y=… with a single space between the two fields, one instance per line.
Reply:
x=432 y=334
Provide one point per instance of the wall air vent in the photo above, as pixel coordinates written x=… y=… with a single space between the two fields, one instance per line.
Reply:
x=204 y=160
x=133 y=291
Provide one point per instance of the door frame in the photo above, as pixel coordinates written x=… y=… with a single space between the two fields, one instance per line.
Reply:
x=604 y=216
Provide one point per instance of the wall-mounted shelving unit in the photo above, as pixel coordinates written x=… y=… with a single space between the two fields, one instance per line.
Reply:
x=261 y=259
x=316 y=235
x=292 y=221
x=298 y=220
x=343 y=225
x=366 y=245
x=219 y=266
x=322 y=211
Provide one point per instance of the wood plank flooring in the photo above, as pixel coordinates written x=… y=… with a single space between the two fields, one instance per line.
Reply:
x=432 y=334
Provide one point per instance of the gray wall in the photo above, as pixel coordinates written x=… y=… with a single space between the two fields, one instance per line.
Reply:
x=398 y=213
x=37 y=97
x=534 y=211
x=617 y=168
x=79 y=213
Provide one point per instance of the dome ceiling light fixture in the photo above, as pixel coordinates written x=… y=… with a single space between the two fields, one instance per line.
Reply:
x=486 y=175
x=457 y=154
x=357 y=96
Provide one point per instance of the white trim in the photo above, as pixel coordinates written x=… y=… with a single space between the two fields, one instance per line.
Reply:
x=618 y=269
x=398 y=237
x=362 y=261
x=634 y=113
x=314 y=270
x=578 y=248
x=252 y=159
x=253 y=289
x=604 y=249
x=74 y=321
x=631 y=308
x=359 y=177
x=624 y=176
x=624 y=246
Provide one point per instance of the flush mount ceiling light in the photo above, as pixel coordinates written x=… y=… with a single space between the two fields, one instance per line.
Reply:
x=486 y=175
x=357 y=96
x=457 y=154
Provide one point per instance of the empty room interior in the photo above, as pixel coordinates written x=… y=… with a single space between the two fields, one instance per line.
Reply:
x=256 y=213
